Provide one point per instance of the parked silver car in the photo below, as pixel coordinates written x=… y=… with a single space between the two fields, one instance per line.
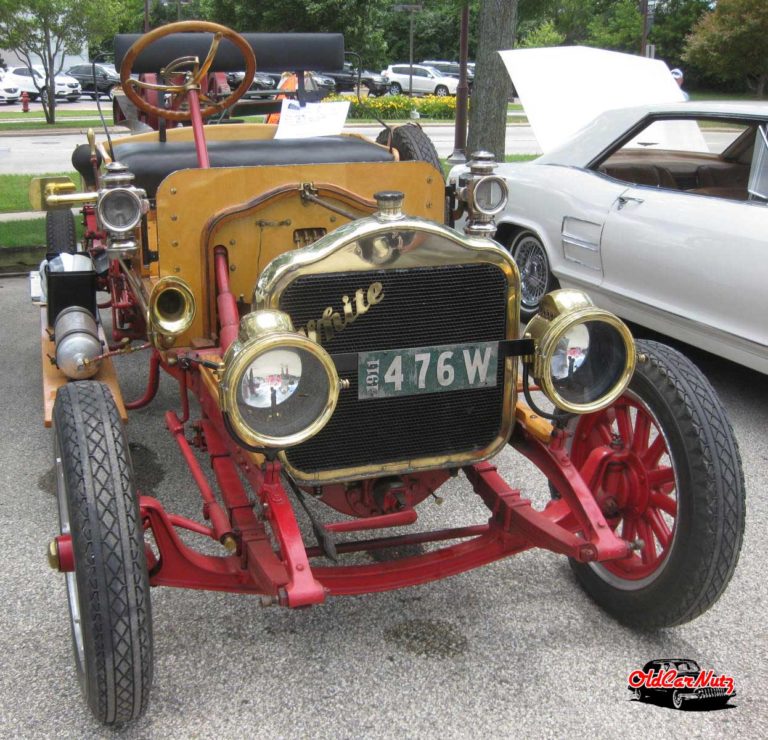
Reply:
x=425 y=80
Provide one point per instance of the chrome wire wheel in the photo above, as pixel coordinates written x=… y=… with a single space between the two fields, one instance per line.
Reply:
x=536 y=280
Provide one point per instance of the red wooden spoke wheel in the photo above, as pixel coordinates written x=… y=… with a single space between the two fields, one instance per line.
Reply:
x=672 y=483
x=637 y=487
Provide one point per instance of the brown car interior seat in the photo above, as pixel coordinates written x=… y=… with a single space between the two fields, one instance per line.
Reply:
x=642 y=174
x=727 y=180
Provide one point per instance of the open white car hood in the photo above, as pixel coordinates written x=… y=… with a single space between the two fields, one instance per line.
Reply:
x=563 y=88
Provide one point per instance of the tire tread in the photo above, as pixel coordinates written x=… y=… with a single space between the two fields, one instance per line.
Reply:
x=715 y=478
x=108 y=537
x=413 y=144
x=60 y=232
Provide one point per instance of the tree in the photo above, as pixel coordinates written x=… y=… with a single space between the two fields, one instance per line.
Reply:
x=569 y=17
x=731 y=42
x=492 y=86
x=43 y=31
x=361 y=21
x=616 y=25
x=673 y=21
x=545 y=34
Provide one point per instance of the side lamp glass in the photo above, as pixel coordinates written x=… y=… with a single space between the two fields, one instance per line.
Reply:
x=279 y=388
x=119 y=210
x=584 y=356
x=489 y=195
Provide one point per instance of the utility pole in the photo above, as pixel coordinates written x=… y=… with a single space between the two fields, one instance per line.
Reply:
x=644 y=39
x=412 y=9
x=459 y=155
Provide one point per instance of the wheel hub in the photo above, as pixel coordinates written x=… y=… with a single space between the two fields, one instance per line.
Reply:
x=635 y=484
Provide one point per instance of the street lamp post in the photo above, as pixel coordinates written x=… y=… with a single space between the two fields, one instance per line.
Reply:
x=459 y=155
x=409 y=9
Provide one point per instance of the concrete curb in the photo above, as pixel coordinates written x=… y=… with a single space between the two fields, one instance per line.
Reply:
x=21 y=216
x=19 y=259
x=59 y=131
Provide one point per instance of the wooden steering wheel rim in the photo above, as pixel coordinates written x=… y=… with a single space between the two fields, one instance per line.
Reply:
x=183 y=27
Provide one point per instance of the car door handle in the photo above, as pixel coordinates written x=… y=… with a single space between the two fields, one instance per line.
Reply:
x=622 y=200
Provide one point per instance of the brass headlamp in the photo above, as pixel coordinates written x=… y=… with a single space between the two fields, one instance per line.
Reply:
x=584 y=356
x=279 y=388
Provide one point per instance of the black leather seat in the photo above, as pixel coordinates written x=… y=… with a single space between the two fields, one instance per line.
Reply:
x=152 y=161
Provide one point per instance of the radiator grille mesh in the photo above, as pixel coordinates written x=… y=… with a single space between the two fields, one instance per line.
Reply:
x=420 y=307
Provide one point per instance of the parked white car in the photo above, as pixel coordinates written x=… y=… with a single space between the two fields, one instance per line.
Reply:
x=66 y=87
x=658 y=209
x=660 y=213
x=9 y=92
x=426 y=80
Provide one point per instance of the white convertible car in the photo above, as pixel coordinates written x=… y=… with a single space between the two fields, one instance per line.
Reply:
x=659 y=212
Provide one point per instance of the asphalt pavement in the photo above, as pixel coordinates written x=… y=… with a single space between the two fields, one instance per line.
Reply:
x=514 y=649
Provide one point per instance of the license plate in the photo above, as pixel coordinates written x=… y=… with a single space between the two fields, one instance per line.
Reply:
x=417 y=370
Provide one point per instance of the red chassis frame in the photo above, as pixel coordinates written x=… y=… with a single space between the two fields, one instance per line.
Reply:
x=572 y=525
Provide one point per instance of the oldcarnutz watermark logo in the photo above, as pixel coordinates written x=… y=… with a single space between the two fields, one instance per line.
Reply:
x=681 y=682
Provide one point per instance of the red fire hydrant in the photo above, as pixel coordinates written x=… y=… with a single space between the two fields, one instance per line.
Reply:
x=25 y=102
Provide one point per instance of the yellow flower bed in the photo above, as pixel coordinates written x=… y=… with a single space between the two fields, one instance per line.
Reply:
x=398 y=107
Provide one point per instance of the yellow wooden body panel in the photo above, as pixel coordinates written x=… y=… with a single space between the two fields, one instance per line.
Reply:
x=190 y=201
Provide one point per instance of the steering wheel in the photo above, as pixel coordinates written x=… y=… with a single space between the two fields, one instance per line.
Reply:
x=193 y=76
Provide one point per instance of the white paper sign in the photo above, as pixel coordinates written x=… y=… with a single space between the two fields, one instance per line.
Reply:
x=312 y=119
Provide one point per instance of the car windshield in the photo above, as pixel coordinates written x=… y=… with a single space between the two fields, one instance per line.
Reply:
x=434 y=71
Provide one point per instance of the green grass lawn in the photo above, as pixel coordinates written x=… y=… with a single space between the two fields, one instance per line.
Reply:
x=709 y=95
x=83 y=123
x=14 y=190
x=37 y=113
x=22 y=233
x=28 y=233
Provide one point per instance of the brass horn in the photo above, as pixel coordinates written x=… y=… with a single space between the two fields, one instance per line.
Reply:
x=171 y=307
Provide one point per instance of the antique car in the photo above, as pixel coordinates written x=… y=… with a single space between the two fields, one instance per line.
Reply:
x=636 y=206
x=658 y=678
x=347 y=354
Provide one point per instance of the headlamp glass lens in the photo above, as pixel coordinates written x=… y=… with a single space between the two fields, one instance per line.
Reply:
x=282 y=392
x=490 y=195
x=588 y=362
x=120 y=210
x=271 y=379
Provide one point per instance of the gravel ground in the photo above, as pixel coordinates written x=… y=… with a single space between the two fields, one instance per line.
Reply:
x=514 y=649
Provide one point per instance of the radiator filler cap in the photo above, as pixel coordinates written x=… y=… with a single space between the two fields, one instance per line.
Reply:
x=390 y=203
